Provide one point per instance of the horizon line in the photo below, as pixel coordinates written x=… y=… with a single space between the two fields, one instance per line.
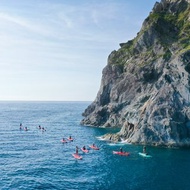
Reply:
x=46 y=101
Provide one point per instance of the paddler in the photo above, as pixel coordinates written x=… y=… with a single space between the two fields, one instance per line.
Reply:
x=144 y=150
x=26 y=129
x=63 y=140
x=121 y=150
x=77 y=150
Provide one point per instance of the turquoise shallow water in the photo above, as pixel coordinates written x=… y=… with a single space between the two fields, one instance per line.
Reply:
x=38 y=160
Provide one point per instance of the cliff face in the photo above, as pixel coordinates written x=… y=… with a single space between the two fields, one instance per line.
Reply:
x=145 y=86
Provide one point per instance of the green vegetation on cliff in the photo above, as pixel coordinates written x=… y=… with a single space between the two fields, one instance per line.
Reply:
x=166 y=27
x=172 y=27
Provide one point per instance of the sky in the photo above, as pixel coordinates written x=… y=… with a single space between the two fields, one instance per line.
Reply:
x=55 y=50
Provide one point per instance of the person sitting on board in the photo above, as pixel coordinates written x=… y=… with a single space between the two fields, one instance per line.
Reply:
x=70 y=138
x=144 y=150
x=77 y=151
x=43 y=129
x=121 y=150
x=84 y=148
x=39 y=127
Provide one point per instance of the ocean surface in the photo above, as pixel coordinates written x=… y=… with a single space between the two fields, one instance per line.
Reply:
x=37 y=159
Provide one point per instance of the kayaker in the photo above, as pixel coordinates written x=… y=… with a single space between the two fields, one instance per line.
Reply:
x=77 y=151
x=63 y=140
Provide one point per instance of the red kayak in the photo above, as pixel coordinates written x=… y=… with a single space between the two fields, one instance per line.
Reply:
x=94 y=147
x=63 y=141
x=77 y=156
x=85 y=150
x=121 y=153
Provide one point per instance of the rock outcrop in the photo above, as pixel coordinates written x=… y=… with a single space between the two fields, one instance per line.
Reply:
x=145 y=88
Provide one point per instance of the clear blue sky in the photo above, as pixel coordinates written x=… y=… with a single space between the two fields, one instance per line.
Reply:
x=56 y=49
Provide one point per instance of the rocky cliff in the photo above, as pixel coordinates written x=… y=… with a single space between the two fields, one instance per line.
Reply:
x=145 y=87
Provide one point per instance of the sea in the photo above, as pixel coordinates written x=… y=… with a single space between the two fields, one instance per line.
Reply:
x=37 y=159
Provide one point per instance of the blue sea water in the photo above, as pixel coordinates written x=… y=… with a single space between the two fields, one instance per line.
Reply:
x=38 y=160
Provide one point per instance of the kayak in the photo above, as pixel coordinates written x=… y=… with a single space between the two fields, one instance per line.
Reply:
x=144 y=155
x=85 y=150
x=94 y=147
x=63 y=141
x=121 y=153
x=77 y=156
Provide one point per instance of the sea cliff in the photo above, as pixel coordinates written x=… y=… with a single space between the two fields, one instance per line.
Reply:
x=145 y=88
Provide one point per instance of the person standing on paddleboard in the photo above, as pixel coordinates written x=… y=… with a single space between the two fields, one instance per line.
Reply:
x=144 y=150
x=77 y=150
x=20 y=126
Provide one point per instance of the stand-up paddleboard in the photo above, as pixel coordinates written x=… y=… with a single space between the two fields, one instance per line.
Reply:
x=70 y=139
x=121 y=153
x=77 y=156
x=85 y=150
x=94 y=147
x=144 y=155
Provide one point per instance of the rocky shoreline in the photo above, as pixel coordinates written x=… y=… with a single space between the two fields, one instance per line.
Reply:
x=145 y=88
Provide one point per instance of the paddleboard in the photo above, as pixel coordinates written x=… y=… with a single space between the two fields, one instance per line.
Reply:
x=94 y=147
x=121 y=153
x=85 y=150
x=63 y=141
x=77 y=156
x=70 y=139
x=144 y=155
